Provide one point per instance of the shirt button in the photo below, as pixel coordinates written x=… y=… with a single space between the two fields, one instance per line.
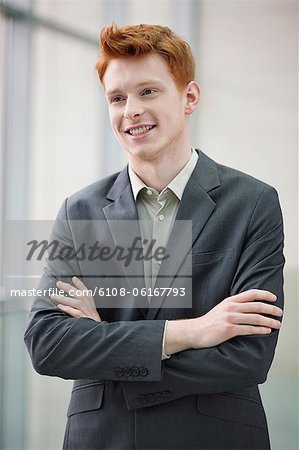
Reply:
x=161 y=217
x=149 y=192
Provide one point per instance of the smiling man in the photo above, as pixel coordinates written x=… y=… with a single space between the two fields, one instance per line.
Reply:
x=149 y=116
x=162 y=375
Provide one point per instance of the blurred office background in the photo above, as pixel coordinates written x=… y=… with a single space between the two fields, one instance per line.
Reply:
x=55 y=138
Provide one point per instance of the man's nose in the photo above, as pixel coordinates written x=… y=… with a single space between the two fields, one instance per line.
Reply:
x=133 y=108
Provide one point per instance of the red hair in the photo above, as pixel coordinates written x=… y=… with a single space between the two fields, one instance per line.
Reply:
x=140 y=40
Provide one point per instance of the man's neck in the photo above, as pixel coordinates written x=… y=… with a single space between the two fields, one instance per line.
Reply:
x=159 y=173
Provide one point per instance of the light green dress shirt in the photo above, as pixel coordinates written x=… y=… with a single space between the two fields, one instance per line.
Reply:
x=157 y=212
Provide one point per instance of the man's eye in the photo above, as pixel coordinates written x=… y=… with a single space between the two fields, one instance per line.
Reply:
x=148 y=91
x=116 y=99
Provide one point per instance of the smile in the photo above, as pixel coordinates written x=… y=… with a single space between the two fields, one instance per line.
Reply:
x=137 y=131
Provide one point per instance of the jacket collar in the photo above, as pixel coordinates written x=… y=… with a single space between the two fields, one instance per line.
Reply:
x=205 y=175
x=196 y=205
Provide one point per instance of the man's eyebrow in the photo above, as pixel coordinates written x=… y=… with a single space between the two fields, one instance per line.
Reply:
x=142 y=83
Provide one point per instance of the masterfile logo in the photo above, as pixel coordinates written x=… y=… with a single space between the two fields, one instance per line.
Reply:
x=140 y=250
x=119 y=266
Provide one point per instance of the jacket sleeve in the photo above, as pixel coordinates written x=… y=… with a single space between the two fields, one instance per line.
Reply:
x=71 y=348
x=242 y=361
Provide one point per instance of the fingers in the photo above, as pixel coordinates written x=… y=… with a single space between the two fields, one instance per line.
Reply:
x=260 y=308
x=248 y=330
x=69 y=288
x=257 y=320
x=79 y=284
x=71 y=311
x=68 y=301
x=251 y=301
x=253 y=295
x=81 y=289
x=80 y=302
x=74 y=295
x=66 y=287
x=250 y=315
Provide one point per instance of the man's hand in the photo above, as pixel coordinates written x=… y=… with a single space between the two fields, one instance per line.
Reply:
x=238 y=315
x=80 y=303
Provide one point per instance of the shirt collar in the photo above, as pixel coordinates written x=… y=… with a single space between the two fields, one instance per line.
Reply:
x=136 y=183
x=177 y=185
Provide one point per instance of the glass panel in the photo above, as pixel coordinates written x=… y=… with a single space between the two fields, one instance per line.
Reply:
x=66 y=121
x=82 y=15
x=3 y=24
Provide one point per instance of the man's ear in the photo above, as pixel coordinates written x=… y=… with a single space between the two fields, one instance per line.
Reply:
x=192 y=95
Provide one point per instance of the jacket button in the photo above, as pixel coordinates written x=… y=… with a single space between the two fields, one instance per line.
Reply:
x=166 y=394
x=158 y=395
x=151 y=397
x=135 y=371
x=127 y=371
x=143 y=371
x=118 y=372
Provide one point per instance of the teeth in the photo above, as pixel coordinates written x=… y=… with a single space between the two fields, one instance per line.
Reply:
x=141 y=130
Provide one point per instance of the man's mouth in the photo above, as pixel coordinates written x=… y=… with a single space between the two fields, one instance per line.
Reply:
x=137 y=131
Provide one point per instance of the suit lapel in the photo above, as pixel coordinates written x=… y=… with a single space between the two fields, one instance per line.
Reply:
x=122 y=218
x=196 y=206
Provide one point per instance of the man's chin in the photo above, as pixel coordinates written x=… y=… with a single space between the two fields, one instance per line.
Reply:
x=142 y=154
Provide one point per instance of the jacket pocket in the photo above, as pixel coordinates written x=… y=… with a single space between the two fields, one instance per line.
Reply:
x=85 y=398
x=238 y=409
x=211 y=257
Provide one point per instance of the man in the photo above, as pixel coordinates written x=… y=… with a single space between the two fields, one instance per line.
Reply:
x=163 y=375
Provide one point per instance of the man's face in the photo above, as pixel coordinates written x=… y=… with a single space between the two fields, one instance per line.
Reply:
x=147 y=112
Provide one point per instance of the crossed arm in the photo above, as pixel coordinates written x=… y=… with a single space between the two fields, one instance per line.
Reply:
x=204 y=357
x=230 y=347
x=238 y=315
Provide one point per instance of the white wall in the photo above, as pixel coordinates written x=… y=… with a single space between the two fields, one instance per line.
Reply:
x=247 y=68
x=247 y=119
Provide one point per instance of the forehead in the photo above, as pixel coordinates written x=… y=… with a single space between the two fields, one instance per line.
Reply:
x=125 y=73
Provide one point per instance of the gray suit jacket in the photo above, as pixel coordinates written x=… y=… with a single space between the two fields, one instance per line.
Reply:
x=124 y=396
